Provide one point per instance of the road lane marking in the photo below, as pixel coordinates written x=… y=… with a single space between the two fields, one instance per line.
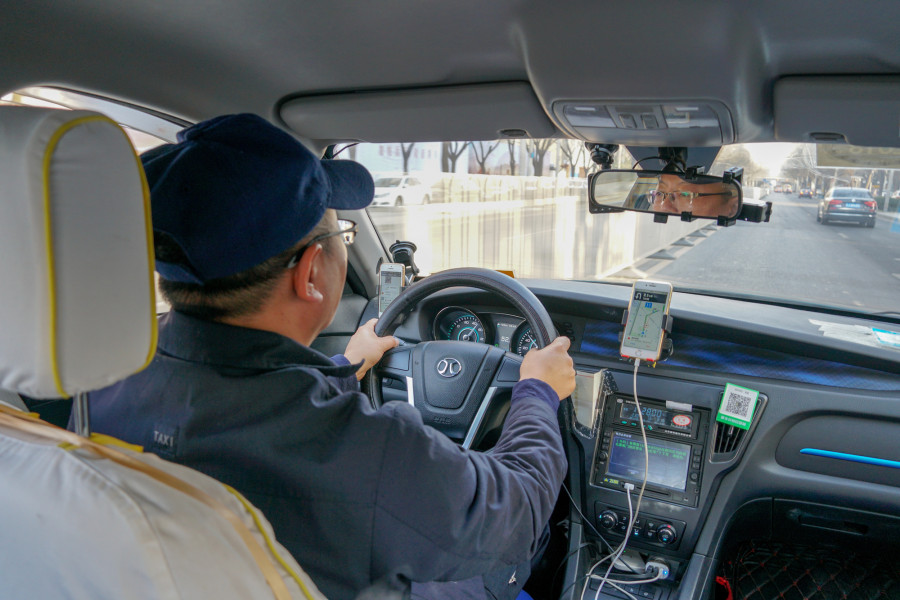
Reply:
x=857 y=303
x=897 y=275
x=843 y=235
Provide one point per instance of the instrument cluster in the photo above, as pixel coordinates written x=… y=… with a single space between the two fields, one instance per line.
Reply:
x=507 y=332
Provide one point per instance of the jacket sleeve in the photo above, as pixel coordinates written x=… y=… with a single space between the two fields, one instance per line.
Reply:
x=345 y=384
x=446 y=513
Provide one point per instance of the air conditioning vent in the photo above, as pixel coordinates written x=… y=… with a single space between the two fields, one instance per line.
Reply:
x=728 y=438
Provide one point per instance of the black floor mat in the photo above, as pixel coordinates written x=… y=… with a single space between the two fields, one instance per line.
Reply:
x=776 y=571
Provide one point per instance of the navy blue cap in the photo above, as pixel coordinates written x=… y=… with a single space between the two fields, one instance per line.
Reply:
x=236 y=191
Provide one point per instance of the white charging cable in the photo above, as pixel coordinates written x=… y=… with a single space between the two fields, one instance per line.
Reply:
x=632 y=515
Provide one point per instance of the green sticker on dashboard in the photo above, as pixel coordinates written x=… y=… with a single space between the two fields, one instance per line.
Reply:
x=737 y=406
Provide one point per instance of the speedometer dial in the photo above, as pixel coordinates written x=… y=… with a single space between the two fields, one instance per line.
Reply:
x=456 y=323
x=466 y=328
x=524 y=340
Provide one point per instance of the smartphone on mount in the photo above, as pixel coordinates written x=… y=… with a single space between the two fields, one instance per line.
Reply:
x=391 y=279
x=646 y=322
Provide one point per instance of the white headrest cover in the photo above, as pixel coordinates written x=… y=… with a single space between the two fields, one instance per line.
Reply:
x=76 y=253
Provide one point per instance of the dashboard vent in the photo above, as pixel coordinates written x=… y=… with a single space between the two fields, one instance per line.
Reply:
x=728 y=438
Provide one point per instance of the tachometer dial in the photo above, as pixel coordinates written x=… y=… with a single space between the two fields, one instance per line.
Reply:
x=524 y=340
x=466 y=328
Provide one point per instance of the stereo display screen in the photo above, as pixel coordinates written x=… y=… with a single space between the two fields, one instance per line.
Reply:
x=668 y=460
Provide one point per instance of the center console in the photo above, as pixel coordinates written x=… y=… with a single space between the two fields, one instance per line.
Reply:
x=687 y=451
x=676 y=444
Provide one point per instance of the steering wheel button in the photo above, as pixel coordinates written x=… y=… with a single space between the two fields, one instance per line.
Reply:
x=509 y=371
x=398 y=360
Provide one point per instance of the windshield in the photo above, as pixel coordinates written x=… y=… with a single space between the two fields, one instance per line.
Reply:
x=521 y=206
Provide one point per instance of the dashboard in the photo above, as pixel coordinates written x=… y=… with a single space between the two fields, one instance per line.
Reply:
x=817 y=463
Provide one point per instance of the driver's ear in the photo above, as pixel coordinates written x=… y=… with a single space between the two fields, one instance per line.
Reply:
x=305 y=275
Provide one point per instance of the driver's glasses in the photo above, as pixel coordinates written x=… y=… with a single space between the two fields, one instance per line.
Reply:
x=346 y=229
x=680 y=199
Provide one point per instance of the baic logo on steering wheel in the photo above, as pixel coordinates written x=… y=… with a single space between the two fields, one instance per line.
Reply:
x=449 y=367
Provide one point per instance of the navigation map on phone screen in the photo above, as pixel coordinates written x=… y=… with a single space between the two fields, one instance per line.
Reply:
x=644 y=328
x=391 y=284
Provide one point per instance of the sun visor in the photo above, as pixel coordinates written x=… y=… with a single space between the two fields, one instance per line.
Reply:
x=471 y=112
x=864 y=111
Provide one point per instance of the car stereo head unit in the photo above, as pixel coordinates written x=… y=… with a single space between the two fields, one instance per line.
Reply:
x=675 y=444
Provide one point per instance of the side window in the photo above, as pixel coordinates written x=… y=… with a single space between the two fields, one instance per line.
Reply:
x=135 y=122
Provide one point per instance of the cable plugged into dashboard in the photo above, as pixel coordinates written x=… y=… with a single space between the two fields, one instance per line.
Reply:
x=657 y=567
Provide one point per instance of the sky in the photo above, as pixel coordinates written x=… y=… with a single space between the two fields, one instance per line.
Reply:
x=770 y=155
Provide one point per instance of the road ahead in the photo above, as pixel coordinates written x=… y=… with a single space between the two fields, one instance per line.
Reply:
x=796 y=257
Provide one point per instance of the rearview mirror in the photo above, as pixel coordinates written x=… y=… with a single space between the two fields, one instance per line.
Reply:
x=695 y=196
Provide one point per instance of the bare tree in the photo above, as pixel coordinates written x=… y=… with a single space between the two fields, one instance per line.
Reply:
x=582 y=162
x=482 y=152
x=450 y=153
x=511 y=146
x=576 y=156
x=568 y=152
x=406 y=150
x=537 y=150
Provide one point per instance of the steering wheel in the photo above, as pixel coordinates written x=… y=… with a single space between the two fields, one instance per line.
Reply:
x=453 y=383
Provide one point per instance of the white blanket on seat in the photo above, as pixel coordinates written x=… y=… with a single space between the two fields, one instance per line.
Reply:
x=78 y=526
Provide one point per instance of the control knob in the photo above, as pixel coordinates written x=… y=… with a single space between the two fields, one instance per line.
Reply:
x=608 y=519
x=666 y=534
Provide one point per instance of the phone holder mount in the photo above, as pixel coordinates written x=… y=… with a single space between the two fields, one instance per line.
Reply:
x=403 y=252
x=668 y=347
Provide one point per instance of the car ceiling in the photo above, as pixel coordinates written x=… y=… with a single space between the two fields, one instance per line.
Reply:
x=197 y=59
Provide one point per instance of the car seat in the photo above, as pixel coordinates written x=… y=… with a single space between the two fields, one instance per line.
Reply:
x=86 y=516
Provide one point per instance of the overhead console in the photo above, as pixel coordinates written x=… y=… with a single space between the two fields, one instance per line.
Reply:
x=657 y=123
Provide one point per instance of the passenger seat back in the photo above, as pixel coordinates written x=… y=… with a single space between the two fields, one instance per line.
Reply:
x=95 y=518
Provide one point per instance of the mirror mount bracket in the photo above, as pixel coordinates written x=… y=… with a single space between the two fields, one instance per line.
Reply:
x=734 y=175
x=755 y=212
x=674 y=157
x=693 y=172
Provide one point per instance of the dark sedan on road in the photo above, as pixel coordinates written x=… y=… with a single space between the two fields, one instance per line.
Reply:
x=805 y=193
x=847 y=204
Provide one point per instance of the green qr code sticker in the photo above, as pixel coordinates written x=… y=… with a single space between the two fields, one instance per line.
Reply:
x=737 y=407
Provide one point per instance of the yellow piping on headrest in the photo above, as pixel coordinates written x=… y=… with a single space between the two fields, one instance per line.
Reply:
x=48 y=240
x=151 y=256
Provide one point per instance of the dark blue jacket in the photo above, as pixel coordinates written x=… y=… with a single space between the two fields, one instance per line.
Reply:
x=355 y=494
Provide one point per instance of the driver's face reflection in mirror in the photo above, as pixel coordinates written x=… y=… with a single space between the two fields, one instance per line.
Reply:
x=674 y=195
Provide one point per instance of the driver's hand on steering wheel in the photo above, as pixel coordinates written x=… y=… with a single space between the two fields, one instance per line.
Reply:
x=365 y=346
x=552 y=365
